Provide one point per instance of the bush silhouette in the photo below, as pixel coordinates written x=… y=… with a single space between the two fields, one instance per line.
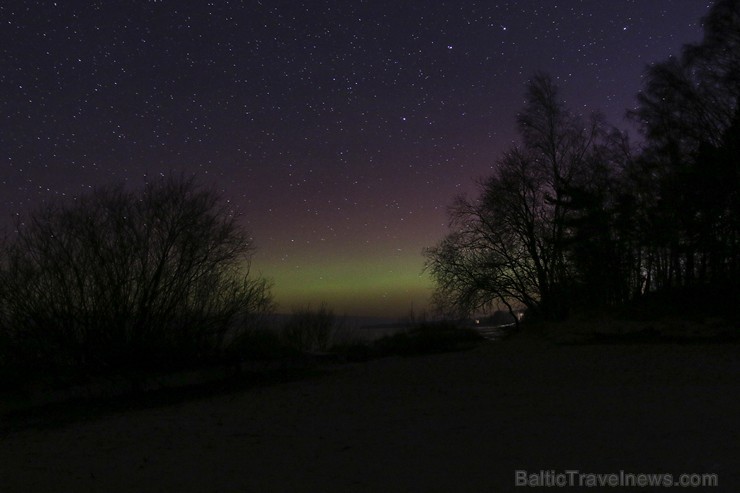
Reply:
x=310 y=330
x=117 y=280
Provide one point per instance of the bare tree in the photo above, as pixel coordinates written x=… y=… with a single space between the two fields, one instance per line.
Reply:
x=486 y=259
x=511 y=244
x=117 y=278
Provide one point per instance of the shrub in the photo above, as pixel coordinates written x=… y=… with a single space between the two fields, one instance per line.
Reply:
x=115 y=280
x=310 y=330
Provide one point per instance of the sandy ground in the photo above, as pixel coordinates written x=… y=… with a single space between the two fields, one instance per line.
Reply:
x=454 y=422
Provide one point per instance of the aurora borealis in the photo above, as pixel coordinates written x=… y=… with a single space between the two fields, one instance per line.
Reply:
x=340 y=130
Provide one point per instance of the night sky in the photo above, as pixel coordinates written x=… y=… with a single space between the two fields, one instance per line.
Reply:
x=341 y=130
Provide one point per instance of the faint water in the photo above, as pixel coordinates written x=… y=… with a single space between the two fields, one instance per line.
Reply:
x=489 y=332
x=368 y=329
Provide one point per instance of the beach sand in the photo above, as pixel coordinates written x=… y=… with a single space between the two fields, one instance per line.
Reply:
x=454 y=422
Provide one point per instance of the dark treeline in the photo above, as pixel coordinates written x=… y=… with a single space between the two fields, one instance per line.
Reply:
x=576 y=217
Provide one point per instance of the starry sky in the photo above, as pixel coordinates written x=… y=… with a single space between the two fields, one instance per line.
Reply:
x=340 y=129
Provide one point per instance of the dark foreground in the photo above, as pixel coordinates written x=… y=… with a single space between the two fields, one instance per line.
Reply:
x=454 y=422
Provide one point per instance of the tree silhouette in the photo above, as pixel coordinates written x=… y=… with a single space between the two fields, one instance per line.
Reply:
x=689 y=114
x=117 y=279
x=572 y=218
x=514 y=243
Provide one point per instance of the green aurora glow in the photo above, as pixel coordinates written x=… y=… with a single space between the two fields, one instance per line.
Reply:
x=368 y=286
